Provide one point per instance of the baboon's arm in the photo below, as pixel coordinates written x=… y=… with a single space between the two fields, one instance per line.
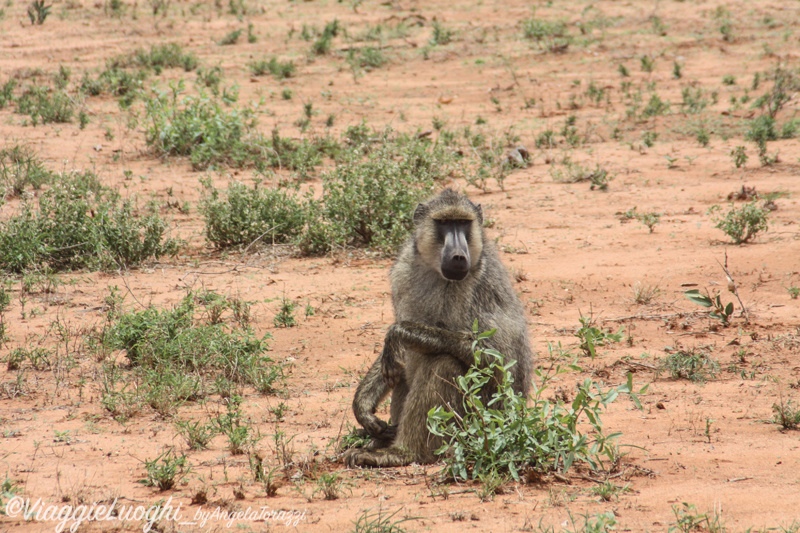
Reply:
x=426 y=340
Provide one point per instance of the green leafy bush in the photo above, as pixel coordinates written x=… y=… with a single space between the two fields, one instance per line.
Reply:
x=508 y=433
x=166 y=470
x=201 y=128
x=741 y=224
x=45 y=105
x=20 y=168
x=160 y=56
x=787 y=414
x=591 y=336
x=694 y=365
x=546 y=33
x=115 y=81
x=80 y=224
x=721 y=311
x=211 y=134
x=247 y=214
x=279 y=69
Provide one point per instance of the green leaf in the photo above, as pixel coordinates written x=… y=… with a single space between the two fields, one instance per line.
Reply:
x=695 y=296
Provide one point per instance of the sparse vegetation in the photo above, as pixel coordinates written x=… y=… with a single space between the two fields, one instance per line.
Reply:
x=38 y=11
x=165 y=201
x=183 y=354
x=45 y=105
x=688 y=519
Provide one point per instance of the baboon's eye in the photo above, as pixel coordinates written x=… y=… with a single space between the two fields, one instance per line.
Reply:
x=458 y=221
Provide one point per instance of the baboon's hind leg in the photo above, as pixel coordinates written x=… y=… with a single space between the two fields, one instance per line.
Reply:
x=432 y=386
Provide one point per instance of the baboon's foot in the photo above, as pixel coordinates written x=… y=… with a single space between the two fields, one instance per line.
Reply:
x=382 y=458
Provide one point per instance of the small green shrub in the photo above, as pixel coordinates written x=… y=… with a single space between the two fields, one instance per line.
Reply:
x=45 y=105
x=183 y=354
x=80 y=224
x=720 y=311
x=231 y=38
x=379 y=522
x=285 y=316
x=159 y=57
x=279 y=69
x=175 y=338
x=786 y=83
x=695 y=365
x=598 y=177
x=548 y=35
x=739 y=156
x=323 y=44
x=677 y=70
x=655 y=107
x=741 y=224
x=166 y=471
x=787 y=414
x=591 y=336
x=762 y=130
x=366 y=58
x=197 y=435
x=507 y=434
x=650 y=220
x=203 y=129
x=694 y=101
x=688 y=520
x=7 y=92
x=440 y=34
x=248 y=214
x=38 y=11
x=212 y=133
x=240 y=432
x=20 y=168
x=115 y=81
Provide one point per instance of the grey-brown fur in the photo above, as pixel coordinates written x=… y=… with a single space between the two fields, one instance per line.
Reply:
x=430 y=344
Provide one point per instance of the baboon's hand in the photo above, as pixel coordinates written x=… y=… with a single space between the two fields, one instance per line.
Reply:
x=375 y=427
x=379 y=430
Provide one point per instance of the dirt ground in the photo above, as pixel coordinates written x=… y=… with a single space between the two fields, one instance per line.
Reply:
x=713 y=445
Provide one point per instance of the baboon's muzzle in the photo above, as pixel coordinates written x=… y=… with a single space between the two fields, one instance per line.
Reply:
x=455 y=253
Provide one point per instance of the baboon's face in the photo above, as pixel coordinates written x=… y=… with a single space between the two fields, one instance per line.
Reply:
x=454 y=237
x=448 y=235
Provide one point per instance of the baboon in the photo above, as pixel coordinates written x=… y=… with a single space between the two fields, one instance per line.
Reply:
x=446 y=276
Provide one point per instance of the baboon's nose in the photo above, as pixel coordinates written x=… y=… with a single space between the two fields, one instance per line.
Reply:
x=456 y=267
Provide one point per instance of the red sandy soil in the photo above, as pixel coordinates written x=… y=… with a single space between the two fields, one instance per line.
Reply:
x=712 y=445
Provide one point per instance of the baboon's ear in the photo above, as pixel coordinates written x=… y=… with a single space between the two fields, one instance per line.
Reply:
x=420 y=213
x=479 y=212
